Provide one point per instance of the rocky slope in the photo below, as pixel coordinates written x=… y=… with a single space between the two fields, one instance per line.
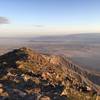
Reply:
x=28 y=75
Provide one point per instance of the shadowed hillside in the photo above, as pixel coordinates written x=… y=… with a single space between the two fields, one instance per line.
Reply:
x=28 y=75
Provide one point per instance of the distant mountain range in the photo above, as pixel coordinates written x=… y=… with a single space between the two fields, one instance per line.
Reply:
x=89 y=37
x=29 y=75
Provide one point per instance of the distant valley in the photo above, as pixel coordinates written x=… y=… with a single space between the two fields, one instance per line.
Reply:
x=82 y=49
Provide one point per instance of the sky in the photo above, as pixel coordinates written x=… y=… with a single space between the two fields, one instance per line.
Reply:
x=48 y=17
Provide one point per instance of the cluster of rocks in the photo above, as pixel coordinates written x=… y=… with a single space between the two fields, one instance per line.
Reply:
x=16 y=86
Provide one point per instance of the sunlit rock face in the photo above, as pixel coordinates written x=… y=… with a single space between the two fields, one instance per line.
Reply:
x=29 y=75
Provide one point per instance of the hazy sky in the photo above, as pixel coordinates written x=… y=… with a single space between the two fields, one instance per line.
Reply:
x=48 y=17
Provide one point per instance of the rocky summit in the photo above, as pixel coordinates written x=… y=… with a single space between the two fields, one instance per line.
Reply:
x=28 y=75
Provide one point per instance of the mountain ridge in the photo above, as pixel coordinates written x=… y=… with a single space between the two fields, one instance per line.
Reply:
x=47 y=75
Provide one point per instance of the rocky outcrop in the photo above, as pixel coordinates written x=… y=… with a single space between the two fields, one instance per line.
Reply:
x=28 y=75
